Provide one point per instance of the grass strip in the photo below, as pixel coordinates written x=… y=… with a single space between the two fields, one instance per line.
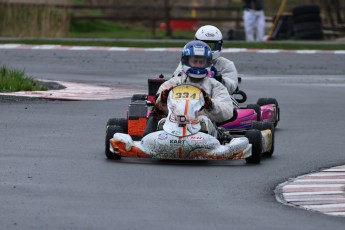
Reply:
x=12 y=80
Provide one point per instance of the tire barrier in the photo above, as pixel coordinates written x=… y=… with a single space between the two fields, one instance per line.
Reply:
x=307 y=23
x=284 y=28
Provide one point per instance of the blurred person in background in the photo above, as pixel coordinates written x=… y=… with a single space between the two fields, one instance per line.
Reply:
x=254 y=20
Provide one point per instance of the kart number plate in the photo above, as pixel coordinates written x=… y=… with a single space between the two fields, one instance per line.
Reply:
x=186 y=92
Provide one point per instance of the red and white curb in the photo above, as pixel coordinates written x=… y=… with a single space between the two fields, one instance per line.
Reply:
x=323 y=191
x=80 y=91
x=104 y=48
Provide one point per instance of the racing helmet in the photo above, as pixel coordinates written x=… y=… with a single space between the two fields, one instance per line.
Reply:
x=196 y=59
x=212 y=36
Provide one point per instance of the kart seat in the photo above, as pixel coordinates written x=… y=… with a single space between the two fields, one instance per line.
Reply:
x=161 y=122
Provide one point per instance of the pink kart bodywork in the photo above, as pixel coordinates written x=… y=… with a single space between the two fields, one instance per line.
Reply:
x=246 y=117
x=244 y=120
x=268 y=113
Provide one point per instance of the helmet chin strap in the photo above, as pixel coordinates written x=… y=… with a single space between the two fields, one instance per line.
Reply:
x=185 y=80
x=192 y=79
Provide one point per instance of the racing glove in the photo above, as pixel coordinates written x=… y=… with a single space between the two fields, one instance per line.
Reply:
x=157 y=112
x=164 y=95
x=208 y=102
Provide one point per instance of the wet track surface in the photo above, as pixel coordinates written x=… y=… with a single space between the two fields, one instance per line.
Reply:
x=54 y=174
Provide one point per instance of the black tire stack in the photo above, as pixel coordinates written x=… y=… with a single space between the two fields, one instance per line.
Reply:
x=307 y=22
x=284 y=28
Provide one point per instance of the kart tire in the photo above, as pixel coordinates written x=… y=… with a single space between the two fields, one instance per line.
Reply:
x=110 y=131
x=254 y=137
x=263 y=125
x=284 y=29
x=257 y=110
x=305 y=9
x=267 y=101
x=307 y=18
x=307 y=26
x=139 y=97
x=122 y=122
x=310 y=34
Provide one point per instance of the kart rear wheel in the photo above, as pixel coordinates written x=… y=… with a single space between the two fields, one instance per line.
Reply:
x=122 y=122
x=267 y=101
x=110 y=131
x=263 y=125
x=139 y=97
x=257 y=110
x=254 y=137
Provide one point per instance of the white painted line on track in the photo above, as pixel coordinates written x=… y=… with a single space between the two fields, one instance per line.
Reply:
x=306 y=51
x=104 y=48
x=314 y=186
x=326 y=206
x=45 y=47
x=313 y=193
x=81 y=48
x=234 y=50
x=156 y=49
x=335 y=170
x=326 y=174
x=311 y=198
x=9 y=46
x=336 y=213
x=328 y=180
x=118 y=49
x=267 y=51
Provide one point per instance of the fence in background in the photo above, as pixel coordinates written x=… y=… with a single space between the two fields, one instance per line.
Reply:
x=166 y=17
x=54 y=19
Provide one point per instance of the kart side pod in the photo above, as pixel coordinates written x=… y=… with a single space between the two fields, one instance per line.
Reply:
x=139 y=108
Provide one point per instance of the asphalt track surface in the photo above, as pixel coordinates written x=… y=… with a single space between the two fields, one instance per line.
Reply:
x=54 y=174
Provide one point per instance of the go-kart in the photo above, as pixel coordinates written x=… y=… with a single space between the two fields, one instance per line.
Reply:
x=182 y=135
x=265 y=109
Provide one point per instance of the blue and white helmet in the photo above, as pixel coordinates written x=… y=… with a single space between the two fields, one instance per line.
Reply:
x=196 y=59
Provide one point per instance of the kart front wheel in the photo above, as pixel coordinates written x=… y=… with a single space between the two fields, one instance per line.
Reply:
x=254 y=137
x=110 y=131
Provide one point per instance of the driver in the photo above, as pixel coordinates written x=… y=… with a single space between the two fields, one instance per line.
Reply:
x=224 y=69
x=196 y=63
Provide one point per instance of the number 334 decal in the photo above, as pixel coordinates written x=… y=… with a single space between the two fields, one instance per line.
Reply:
x=186 y=92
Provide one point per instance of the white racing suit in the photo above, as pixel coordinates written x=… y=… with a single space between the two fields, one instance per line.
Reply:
x=226 y=68
x=222 y=104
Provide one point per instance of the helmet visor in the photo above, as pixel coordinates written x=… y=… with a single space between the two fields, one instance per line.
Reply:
x=214 y=45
